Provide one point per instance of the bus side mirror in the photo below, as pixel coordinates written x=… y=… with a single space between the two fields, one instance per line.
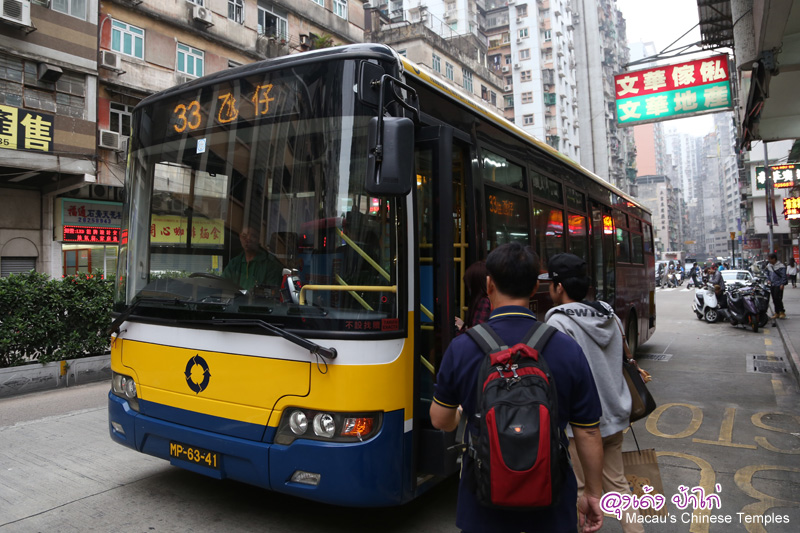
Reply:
x=391 y=156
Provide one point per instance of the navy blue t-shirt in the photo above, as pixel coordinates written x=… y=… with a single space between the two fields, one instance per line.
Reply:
x=578 y=404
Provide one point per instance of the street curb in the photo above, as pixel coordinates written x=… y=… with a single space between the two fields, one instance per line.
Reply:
x=36 y=377
x=793 y=357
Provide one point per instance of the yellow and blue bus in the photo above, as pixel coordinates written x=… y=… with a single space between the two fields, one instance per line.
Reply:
x=294 y=238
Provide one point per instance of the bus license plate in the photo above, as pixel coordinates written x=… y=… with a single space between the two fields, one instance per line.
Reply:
x=194 y=455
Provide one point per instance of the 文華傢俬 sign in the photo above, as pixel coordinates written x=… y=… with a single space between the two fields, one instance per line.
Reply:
x=673 y=91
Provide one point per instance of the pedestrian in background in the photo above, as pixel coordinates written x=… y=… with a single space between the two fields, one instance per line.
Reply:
x=598 y=331
x=479 y=308
x=513 y=278
x=776 y=274
x=791 y=272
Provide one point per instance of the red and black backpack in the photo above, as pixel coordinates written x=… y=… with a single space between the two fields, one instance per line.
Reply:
x=519 y=458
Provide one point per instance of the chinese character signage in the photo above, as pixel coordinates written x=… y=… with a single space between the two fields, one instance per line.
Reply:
x=791 y=208
x=21 y=129
x=171 y=229
x=673 y=91
x=79 y=220
x=783 y=176
x=88 y=234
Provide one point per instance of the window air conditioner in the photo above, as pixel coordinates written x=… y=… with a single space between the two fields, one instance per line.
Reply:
x=507 y=88
x=202 y=14
x=109 y=60
x=505 y=68
x=517 y=66
x=109 y=139
x=16 y=13
x=519 y=20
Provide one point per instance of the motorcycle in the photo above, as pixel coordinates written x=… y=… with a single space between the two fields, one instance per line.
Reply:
x=671 y=279
x=706 y=305
x=742 y=308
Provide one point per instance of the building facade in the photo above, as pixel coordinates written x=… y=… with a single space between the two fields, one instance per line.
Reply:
x=48 y=53
x=600 y=38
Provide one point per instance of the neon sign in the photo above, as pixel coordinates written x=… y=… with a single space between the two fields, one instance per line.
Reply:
x=791 y=208
x=89 y=234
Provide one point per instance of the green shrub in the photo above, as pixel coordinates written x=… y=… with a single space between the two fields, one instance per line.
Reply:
x=43 y=319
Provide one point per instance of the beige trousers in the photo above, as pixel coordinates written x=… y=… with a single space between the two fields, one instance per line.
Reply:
x=613 y=477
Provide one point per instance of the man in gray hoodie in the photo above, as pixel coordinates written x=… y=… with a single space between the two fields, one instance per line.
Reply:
x=598 y=331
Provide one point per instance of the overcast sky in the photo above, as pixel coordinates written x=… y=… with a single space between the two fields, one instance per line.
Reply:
x=662 y=22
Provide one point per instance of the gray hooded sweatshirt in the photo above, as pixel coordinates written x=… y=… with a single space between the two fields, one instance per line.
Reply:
x=601 y=339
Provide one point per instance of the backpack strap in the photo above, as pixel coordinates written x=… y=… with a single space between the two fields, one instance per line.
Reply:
x=490 y=342
x=538 y=335
x=486 y=338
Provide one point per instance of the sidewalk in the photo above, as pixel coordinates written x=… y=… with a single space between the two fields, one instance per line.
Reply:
x=789 y=328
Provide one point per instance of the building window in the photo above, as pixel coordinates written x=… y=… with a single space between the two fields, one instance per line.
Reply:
x=467 y=80
x=190 y=60
x=507 y=59
x=448 y=71
x=75 y=8
x=527 y=120
x=22 y=87
x=522 y=11
x=508 y=101
x=525 y=54
x=127 y=39
x=273 y=22
x=197 y=2
x=493 y=98
x=547 y=35
x=236 y=11
x=526 y=75
x=527 y=97
x=403 y=52
x=340 y=8
x=437 y=63
x=320 y=2
x=120 y=118
x=523 y=33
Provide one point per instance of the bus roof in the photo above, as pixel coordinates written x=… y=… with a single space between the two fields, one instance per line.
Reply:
x=456 y=94
x=385 y=52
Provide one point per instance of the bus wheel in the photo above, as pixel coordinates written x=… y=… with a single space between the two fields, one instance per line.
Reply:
x=632 y=333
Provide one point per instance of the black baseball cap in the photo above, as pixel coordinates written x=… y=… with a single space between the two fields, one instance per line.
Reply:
x=563 y=266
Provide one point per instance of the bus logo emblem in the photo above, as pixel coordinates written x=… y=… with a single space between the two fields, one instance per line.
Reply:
x=197 y=374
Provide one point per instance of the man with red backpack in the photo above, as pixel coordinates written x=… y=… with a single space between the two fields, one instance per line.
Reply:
x=513 y=278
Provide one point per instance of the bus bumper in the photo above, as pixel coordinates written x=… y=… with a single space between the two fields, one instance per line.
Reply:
x=366 y=474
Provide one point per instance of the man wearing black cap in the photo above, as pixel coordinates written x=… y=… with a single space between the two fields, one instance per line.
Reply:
x=597 y=330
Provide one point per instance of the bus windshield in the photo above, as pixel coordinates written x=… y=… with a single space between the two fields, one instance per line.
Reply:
x=245 y=199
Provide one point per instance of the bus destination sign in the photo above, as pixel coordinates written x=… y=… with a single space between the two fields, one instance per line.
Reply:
x=189 y=115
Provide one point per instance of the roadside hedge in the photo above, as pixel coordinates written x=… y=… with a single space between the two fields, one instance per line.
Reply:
x=44 y=319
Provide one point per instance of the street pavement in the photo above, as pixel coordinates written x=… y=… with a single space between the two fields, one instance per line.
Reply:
x=719 y=426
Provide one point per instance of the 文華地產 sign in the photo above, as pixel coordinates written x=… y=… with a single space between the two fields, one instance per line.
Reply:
x=673 y=91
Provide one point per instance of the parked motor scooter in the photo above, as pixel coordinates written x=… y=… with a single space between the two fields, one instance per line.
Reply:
x=706 y=305
x=742 y=308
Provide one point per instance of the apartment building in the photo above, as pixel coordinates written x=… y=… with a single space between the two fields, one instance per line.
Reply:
x=602 y=52
x=48 y=82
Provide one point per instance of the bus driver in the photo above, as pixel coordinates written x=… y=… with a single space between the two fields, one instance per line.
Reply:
x=254 y=266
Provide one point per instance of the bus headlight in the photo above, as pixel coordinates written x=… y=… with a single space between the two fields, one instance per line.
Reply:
x=125 y=387
x=298 y=422
x=324 y=425
x=327 y=426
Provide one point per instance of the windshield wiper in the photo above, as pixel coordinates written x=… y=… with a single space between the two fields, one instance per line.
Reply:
x=114 y=328
x=313 y=347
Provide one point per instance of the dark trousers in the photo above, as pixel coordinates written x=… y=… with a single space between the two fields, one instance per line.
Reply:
x=777 y=299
